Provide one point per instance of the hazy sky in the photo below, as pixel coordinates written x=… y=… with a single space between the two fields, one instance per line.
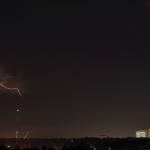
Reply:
x=83 y=68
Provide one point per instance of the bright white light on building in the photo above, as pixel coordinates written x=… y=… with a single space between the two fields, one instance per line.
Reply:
x=141 y=134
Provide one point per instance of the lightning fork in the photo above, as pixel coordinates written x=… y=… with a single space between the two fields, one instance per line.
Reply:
x=10 y=89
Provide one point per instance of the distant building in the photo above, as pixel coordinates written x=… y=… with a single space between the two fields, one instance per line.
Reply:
x=141 y=134
x=148 y=133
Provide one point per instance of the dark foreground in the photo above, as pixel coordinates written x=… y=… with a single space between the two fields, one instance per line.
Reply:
x=76 y=144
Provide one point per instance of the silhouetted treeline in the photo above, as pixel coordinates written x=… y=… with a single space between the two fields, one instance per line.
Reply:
x=80 y=144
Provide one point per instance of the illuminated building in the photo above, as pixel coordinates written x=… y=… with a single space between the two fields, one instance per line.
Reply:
x=148 y=133
x=141 y=134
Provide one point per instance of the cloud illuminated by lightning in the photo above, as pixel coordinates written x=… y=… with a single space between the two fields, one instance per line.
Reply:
x=11 y=89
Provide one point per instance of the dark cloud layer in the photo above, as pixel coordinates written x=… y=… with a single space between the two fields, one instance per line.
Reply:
x=85 y=66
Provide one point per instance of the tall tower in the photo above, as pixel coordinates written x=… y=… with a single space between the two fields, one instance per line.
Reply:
x=17 y=132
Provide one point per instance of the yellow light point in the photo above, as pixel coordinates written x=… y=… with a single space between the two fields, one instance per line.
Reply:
x=8 y=146
x=11 y=89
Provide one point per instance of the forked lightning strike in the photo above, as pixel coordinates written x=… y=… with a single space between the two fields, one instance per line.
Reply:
x=11 y=89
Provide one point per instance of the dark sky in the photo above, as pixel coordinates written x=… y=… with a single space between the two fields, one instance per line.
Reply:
x=83 y=67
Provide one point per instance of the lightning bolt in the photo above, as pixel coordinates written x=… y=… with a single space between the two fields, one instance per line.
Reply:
x=11 y=89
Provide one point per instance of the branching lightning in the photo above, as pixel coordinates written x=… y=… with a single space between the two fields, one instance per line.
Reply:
x=11 y=89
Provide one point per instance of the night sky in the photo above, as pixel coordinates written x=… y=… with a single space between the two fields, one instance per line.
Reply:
x=83 y=67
